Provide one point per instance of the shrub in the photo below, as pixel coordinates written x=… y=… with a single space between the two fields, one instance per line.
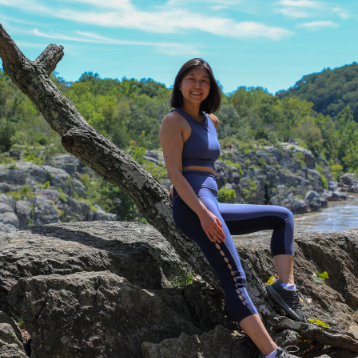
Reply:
x=236 y=165
x=336 y=169
x=14 y=194
x=226 y=194
x=62 y=195
x=262 y=162
x=324 y=180
x=249 y=193
x=44 y=186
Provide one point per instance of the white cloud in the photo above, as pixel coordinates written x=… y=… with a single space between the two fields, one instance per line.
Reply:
x=218 y=7
x=340 y=12
x=293 y=12
x=179 y=21
x=315 y=25
x=179 y=3
x=167 y=20
x=15 y=20
x=301 y=3
x=164 y=47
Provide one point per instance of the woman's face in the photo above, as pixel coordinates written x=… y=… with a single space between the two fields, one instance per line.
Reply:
x=195 y=86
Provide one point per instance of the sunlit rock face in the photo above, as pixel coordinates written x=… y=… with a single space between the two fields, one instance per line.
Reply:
x=37 y=195
x=285 y=176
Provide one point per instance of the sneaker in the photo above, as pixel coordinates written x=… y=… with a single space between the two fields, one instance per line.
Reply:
x=288 y=300
x=285 y=353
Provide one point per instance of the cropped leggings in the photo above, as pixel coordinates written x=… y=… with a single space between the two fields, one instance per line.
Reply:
x=236 y=219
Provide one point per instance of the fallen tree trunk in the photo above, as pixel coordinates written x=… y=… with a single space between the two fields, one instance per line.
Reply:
x=85 y=143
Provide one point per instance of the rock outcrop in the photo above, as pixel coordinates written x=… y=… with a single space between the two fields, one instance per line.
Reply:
x=104 y=288
x=289 y=176
x=54 y=192
x=349 y=183
x=37 y=195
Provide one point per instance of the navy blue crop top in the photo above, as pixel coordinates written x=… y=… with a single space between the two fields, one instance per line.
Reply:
x=202 y=148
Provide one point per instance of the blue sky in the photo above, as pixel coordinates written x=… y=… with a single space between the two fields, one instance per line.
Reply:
x=247 y=42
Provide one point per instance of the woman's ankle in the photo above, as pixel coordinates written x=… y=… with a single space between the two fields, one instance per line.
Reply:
x=268 y=349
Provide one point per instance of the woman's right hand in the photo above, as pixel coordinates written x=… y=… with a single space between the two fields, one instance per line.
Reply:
x=212 y=227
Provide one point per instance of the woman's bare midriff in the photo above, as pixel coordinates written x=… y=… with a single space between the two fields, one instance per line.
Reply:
x=204 y=169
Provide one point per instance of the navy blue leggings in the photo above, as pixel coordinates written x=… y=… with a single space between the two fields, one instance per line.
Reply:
x=236 y=219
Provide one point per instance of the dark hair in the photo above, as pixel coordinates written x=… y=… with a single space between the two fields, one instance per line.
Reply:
x=212 y=102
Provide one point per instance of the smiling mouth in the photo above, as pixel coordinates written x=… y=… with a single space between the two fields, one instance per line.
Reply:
x=196 y=93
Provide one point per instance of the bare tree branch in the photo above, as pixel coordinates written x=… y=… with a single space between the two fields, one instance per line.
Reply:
x=49 y=59
x=84 y=142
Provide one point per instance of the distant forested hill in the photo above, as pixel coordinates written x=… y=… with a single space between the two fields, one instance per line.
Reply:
x=131 y=110
x=330 y=91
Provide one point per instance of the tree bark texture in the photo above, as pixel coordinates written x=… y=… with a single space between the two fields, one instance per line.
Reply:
x=84 y=142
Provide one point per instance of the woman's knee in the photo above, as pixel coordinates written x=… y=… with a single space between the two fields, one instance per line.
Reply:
x=287 y=214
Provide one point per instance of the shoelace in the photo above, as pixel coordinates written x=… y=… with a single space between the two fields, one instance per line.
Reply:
x=293 y=300
x=289 y=350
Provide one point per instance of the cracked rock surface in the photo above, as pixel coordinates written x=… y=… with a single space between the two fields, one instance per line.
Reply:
x=101 y=289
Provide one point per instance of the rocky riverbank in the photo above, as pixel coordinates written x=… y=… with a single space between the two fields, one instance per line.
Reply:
x=289 y=176
x=54 y=192
x=109 y=289
x=33 y=194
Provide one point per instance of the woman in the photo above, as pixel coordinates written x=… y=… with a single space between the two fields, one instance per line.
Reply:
x=190 y=146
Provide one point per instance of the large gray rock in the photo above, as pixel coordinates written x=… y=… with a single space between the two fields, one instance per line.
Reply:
x=8 y=219
x=45 y=211
x=64 y=198
x=337 y=196
x=11 y=345
x=214 y=344
x=64 y=277
x=315 y=201
x=349 y=181
x=93 y=314
x=23 y=212
x=335 y=300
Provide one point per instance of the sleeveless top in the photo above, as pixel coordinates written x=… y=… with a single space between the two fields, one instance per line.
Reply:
x=202 y=148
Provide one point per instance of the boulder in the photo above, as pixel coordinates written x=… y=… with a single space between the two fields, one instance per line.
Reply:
x=11 y=345
x=78 y=285
x=8 y=219
x=23 y=212
x=63 y=199
x=349 y=183
x=45 y=211
x=337 y=196
x=214 y=344
x=93 y=314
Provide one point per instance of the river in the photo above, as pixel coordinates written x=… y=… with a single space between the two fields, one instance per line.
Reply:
x=338 y=216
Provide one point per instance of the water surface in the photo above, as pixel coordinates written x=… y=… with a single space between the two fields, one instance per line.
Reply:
x=338 y=216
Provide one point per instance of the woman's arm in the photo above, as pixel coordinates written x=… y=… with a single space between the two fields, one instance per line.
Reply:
x=172 y=142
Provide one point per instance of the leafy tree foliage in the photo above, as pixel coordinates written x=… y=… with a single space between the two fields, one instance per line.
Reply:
x=330 y=91
x=129 y=110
